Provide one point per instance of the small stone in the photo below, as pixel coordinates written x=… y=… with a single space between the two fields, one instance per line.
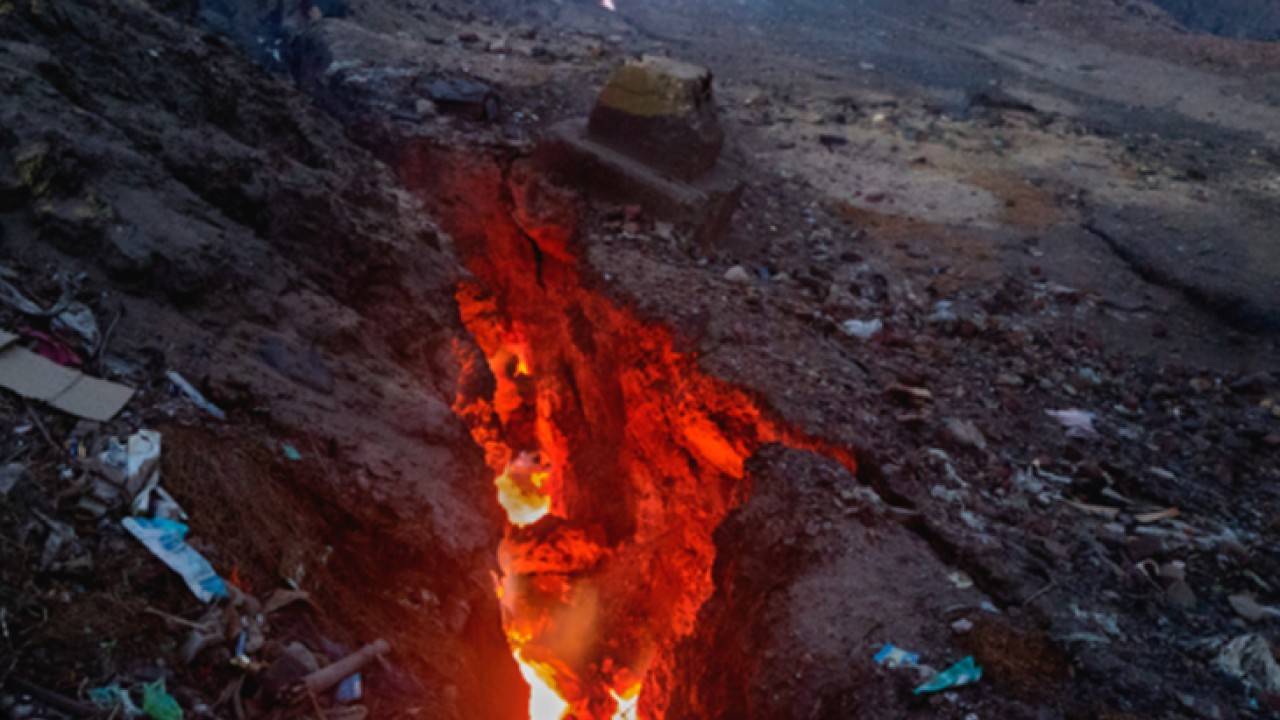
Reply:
x=962 y=626
x=425 y=108
x=1090 y=375
x=1175 y=571
x=1182 y=594
x=966 y=433
x=295 y=662
x=1253 y=383
x=10 y=476
x=876 y=196
x=1201 y=384
x=1246 y=607
x=1142 y=547
x=738 y=274
x=862 y=329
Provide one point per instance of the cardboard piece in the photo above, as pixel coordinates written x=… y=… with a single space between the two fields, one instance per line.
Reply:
x=37 y=378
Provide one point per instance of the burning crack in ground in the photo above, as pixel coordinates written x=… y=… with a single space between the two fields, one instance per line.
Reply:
x=614 y=457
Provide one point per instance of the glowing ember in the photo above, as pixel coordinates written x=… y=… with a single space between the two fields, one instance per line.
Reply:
x=521 y=490
x=614 y=459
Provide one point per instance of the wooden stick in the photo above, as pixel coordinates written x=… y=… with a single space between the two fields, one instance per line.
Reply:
x=1039 y=593
x=43 y=430
x=51 y=698
x=325 y=678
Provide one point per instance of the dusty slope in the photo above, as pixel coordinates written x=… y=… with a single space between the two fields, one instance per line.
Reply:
x=1038 y=319
x=227 y=230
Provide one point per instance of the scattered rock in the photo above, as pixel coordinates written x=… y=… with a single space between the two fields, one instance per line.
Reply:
x=11 y=475
x=1174 y=571
x=966 y=433
x=295 y=662
x=660 y=111
x=738 y=274
x=862 y=329
x=464 y=97
x=1246 y=607
x=1201 y=384
x=1182 y=594
x=302 y=365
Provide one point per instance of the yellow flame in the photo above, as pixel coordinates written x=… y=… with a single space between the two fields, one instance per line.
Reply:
x=627 y=703
x=544 y=702
x=520 y=490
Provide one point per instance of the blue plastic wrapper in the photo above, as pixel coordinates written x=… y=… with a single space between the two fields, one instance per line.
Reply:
x=962 y=673
x=350 y=690
x=893 y=657
x=166 y=540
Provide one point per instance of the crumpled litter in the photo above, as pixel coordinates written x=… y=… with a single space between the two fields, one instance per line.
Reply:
x=53 y=349
x=965 y=672
x=78 y=319
x=894 y=657
x=158 y=704
x=166 y=539
x=135 y=465
x=112 y=697
x=14 y=298
x=1249 y=658
x=350 y=690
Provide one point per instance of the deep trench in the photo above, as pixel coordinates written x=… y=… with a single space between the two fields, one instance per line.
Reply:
x=645 y=453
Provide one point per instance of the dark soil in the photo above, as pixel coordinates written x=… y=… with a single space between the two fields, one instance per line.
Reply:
x=273 y=237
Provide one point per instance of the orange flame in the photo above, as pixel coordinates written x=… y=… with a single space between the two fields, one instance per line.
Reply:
x=522 y=490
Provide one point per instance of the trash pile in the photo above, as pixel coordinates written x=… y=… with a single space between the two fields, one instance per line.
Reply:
x=83 y=504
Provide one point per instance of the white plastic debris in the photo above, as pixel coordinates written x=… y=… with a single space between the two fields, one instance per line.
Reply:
x=1249 y=658
x=862 y=329
x=78 y=319
x=1078 y=423
x=11 y=296
x=136 y=466
x=194 y=395
x=166 y=539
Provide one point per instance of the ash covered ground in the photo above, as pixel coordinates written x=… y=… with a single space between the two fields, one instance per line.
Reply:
x=1043 y=207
